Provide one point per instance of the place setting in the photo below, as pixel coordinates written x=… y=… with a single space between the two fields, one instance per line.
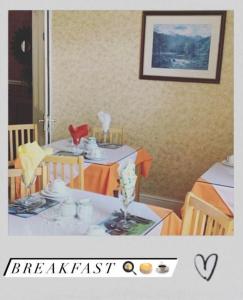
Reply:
x=57 y=190
x=38 y=202
x=122 y=222
x=81 y=145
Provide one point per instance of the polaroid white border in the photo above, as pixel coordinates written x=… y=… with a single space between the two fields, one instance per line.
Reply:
x=226 y=282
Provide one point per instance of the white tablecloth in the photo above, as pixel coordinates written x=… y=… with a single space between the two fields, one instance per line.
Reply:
x=103 y=206
x=120 y=155
x=222 y=179
x=110 y=156
x=220 y=174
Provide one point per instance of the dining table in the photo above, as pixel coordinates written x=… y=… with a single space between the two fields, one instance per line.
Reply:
x=52 y=222
x=101 y=175
x=216 y=186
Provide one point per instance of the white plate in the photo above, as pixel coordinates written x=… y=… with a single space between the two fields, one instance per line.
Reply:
x=33 y=200
x=47 y=191
x=227 y=163
x=53 y=196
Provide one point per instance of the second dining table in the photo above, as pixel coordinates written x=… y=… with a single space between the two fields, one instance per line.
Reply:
x=216 y=186
x=100 y=176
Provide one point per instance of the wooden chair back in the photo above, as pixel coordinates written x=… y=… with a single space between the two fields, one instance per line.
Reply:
x=64 y=167
x=202 y=218
x=18 y=135
x=114 y=135
x=17 y=188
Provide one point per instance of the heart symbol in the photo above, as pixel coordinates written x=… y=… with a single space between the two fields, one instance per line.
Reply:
x=206 y=267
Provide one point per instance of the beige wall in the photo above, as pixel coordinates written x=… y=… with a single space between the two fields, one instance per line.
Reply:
x=185 y=126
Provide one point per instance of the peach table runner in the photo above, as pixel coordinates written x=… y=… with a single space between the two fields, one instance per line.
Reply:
x=171 y=224
x=216 y=186
x=102 y=179
x=207 y=192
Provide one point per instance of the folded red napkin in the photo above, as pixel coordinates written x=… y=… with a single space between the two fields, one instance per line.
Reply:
x=77 y=132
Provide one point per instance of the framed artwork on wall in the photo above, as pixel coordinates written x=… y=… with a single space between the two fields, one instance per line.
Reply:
x=182 y=45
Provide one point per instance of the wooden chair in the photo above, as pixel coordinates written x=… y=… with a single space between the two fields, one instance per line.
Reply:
x=17 y=188
x=114 y=135
x=19 y=135
x=64 y=167
x=201 y=218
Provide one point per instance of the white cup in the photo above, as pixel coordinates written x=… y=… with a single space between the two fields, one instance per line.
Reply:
x=68 y=208
x=230 y=159
x=58 y=186
x=86 y=211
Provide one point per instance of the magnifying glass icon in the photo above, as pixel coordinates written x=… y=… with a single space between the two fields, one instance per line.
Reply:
x=128 y=267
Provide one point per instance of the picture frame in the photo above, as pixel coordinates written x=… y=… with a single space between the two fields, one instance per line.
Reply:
x=184 y=46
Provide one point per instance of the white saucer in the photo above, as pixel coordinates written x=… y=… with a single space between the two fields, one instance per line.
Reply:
x=48 y=191
x=35 y=199
x=227 y=163
x=51 y=195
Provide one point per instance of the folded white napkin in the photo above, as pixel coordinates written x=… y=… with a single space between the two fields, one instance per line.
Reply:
x=128 y=180
x=105 y=119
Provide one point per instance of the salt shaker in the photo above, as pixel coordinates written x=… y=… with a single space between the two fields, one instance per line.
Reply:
x=86 y=212
x=68 y=208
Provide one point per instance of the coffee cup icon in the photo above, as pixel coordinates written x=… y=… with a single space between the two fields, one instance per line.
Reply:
x=162 y=268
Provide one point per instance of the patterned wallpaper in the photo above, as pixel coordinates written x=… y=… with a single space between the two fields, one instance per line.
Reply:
x=185 y=126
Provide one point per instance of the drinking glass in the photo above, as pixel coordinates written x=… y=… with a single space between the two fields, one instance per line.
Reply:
x=76 y=141
x=126 y=201
x=105 y=133
x=28 y=197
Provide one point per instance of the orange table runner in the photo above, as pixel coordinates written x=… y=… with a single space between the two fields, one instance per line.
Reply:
x=207 y=192
x=171 y=223
x=102 y=179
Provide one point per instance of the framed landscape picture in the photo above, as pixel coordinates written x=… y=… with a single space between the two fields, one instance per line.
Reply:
x=182 y=46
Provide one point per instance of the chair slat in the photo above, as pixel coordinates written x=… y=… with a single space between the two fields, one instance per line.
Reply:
x=22 y=137
x=114 y=135
x=55 y=169
x=11 y=146
x=12 y=189
x=187 y=220
x=17 y=188
x=66 y=162
x=20 y=134
x=28 y=136
x=196 y=219
x=63 y=172
x=201 y=224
